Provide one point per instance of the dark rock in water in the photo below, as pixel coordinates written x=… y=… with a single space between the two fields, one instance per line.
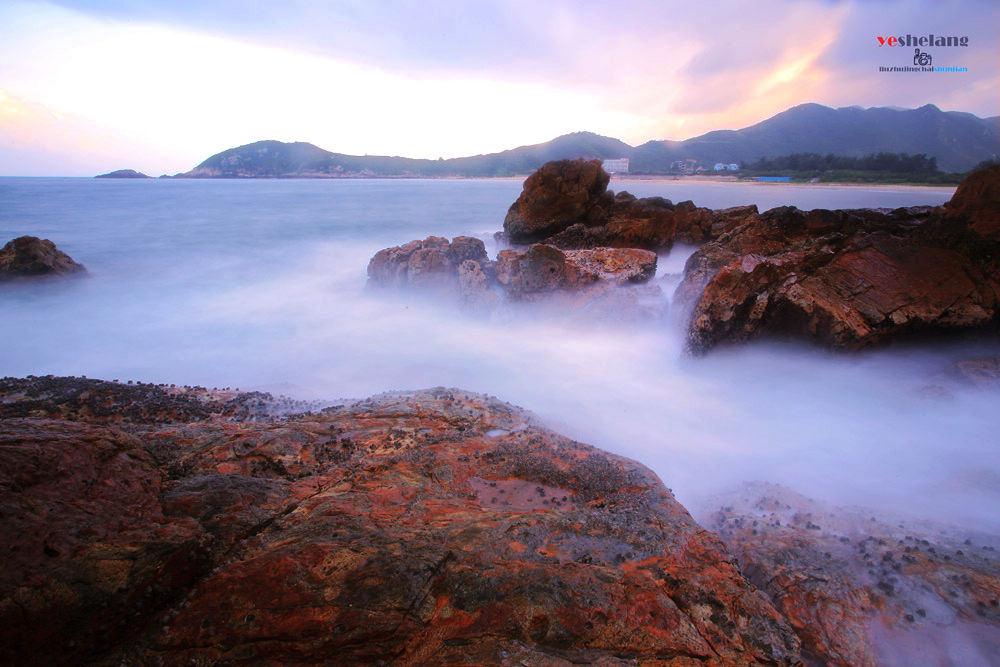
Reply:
x=432 y=262
x=545 y=268
x=977 y=200
x=848 y=279
x=99 y=402
x=123 y=173
x=559 y=194
x=589 y=277
x=860 y=591
x=30 y=256
x=566 y=204
x=411 y=528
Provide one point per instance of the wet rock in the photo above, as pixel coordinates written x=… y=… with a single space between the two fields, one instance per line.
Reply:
x=89 y=556
x=545 y=268
x=977 y=200
x=566 y=204
x=30 y=256
x=860 y=591
x=579 y=283
x=97 y=401
x=431 y=263
x=412 y=527
x=559 y=194
x=846 y=279
x=476 y=287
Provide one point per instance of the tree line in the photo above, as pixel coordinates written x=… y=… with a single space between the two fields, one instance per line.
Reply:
x=896 y=163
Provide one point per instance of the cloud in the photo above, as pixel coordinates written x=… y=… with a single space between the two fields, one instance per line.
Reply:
x=448 y=78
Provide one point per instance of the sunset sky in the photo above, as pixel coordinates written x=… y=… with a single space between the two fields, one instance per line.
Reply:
x=87 y=87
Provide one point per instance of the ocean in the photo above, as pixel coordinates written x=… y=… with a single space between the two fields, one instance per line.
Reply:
x=260 y=284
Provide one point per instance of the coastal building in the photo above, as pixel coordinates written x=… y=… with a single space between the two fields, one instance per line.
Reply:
x=616 y=166
x=733 y=166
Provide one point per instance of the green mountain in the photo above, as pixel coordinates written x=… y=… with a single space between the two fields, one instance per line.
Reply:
x=958 y=140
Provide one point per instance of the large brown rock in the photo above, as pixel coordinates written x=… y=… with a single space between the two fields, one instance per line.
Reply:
x=863 y=592
x=434 y=527
x=30 y=256
x=846 y=279
x=977 y=200
x=566 y=204
x=559 y=194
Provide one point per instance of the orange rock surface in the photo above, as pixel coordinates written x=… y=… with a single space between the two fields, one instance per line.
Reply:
x=434 y=527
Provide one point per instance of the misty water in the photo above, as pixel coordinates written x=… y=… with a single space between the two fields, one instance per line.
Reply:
x=261 y=284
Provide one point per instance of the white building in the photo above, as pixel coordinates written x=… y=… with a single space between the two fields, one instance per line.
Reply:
x=733 y=166
x=617 y=166
x=719 y=166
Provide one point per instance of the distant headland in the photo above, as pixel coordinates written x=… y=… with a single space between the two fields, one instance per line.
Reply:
x=123 y=173
x=956 y=141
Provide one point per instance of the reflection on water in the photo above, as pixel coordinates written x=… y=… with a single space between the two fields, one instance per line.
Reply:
x=261 y=283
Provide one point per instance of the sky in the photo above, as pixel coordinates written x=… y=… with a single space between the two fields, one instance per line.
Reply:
x=92 y=86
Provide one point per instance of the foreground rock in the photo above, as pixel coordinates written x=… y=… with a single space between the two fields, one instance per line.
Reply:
x=863 y=592
x=567 y=204
x=412 y=528
x=31 y=257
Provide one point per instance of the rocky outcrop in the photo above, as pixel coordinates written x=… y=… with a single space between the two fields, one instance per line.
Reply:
x=977 y=201
x=411 y=528
x=566 y=204
x=433 y=262
x=31 y=257
x=847 y=279
x=559 y=194
x=862 y=592
x=544 y=268
x=583 y=282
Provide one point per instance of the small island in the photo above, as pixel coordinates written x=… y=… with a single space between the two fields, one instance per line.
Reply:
x=123 y=173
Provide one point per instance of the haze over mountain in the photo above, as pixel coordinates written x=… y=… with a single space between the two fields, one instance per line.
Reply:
x=958 y=140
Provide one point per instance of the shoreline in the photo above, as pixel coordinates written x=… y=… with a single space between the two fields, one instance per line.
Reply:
x=728 y=180
x=652 y=178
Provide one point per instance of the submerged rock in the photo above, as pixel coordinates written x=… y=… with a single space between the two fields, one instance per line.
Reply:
x=414 y=528
x=30 y=257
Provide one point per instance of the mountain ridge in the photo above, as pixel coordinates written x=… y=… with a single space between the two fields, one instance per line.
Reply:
x=958 y=140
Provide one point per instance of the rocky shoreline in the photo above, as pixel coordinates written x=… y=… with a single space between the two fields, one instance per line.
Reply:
x=842 y=279
x=159 y=525
x=153 y=524
x=409 y=528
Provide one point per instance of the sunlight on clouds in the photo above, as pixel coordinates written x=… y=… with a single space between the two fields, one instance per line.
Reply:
x=746 y=93
x=198 y=94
